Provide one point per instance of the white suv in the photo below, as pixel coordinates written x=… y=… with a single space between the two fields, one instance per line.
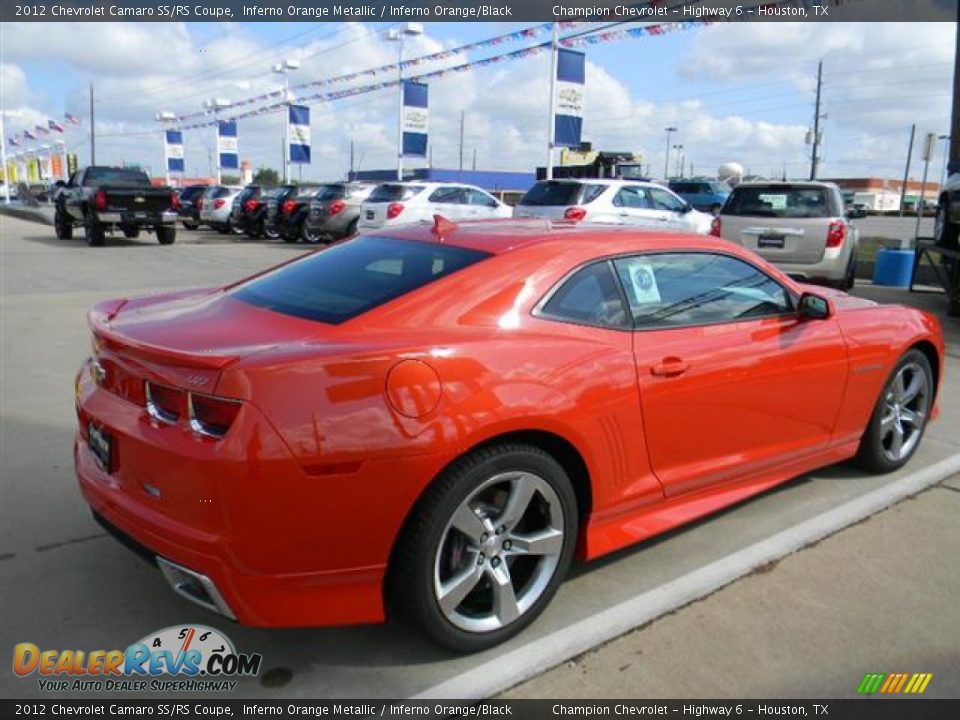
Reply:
x=612 y=202
x=409 y=202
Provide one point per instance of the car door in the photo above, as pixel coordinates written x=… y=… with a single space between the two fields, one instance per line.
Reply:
x=449 y=201
x=732 y=380
x=675 y=209
x=633 y=206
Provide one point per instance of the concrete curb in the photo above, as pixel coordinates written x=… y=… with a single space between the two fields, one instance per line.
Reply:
x=542 y=654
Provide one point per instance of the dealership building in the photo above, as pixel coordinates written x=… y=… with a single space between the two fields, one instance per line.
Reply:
x=883 y=194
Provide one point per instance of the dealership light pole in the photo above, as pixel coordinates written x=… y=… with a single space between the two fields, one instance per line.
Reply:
x=551 y=120
x=284 y=68
x=164 y=117
x=3 y=152
x=666 y=161
x=214 y=106
x=397 y=35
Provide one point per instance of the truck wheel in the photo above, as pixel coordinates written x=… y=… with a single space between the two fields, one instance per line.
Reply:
x=62 y=226
x=93 y=233
x=166 y=234
x=945 y=233
x=131 y=233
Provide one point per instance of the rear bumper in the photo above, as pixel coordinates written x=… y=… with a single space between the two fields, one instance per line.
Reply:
x=120 y=218
x=341 y=597
x=832 y=267
x=256 y=527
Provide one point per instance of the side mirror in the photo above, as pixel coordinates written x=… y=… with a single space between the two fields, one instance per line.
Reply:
x=813 y=307
x=687 y=207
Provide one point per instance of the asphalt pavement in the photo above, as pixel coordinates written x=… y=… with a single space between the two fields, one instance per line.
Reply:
x=64 y=584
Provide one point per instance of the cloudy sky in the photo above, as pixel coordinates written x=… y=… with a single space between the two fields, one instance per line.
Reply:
x=741 y=92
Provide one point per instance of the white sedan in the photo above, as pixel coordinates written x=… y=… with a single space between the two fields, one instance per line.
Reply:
x=409 y=202
x=612 y=202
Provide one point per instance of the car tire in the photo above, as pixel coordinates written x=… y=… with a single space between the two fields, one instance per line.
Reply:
x=890 y=438
x=270 y=232
x=432 y=555
x=850 y=279
x=166 y=234
x=351 y=228
x=309 y=236
x=94 y=233
x=131 y=233
x=190 y=225
x=945 y=233
x=222 y=229
x=62 y=226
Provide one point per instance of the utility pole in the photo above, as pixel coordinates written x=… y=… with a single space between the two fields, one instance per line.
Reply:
x=350 y=176
x=906 y=173
x=666 y=160
x=93 y=130
x=461 y=141
x=814 y=159
x=474 y=158
x=929 y=144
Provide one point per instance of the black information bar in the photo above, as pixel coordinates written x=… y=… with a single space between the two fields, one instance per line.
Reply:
x=656 y=11
x=860 y=709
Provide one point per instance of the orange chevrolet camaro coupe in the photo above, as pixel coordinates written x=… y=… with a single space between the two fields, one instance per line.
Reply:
x=437 y=418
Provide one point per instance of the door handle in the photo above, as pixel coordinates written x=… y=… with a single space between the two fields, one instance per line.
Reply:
x=670 y=367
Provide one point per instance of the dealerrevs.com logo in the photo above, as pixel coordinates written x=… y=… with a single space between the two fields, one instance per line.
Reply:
x=191 y=658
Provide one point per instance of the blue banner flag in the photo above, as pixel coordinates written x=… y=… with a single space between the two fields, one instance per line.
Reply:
x=300 y=134
x=415 y=122
x=568 y=110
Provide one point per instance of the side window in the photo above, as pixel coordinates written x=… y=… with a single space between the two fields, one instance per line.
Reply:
x=448 y=196
x=591 y=193
x=666 y=200
x=475 y=197
x=589 y=297
x=629 y=197
x=676 y=289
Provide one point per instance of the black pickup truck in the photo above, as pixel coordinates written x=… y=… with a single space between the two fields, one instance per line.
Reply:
x=100 y=198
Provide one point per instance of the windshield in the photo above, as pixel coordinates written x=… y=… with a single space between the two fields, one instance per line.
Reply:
x=121 y=177
x=553 y=193
x=782 y=201
x=393 y=193
x=346 y=280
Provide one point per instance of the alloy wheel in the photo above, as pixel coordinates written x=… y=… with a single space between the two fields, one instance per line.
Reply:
x=499 y=552
x=906 y=406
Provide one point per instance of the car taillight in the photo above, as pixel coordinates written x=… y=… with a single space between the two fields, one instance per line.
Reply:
x=288 y=207
x=250 y=205
x=393 y=210
x=200 y=204
x=163 y=403
x=716 y=227
x=337 y=206
x=219 y=203
x=100 y=200
x=174 y=201
x=575 y=213
x=836 y=234
x=212 y=416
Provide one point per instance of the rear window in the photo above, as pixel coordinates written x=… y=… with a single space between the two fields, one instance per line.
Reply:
x=394 y=193
x=194 y=191
x=781 y=201
x=121 y=177
x=330 y=192
x=346 y=280
x=221 y=192
x=556 y=194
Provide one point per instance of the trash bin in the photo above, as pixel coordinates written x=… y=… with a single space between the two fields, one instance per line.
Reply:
x=893 y=268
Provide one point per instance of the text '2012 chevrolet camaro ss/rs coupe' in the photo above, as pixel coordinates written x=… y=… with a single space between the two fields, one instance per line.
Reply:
x=436 y=419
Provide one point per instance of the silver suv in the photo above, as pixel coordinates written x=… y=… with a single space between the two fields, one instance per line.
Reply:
x=798 y=226
x=335 y=210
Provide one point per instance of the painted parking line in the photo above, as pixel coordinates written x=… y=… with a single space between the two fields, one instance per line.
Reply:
x=537 y=656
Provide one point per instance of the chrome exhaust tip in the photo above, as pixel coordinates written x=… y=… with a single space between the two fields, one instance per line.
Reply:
x=195 y=587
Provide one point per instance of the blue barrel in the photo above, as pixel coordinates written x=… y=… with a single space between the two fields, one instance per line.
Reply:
x=893 y=268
